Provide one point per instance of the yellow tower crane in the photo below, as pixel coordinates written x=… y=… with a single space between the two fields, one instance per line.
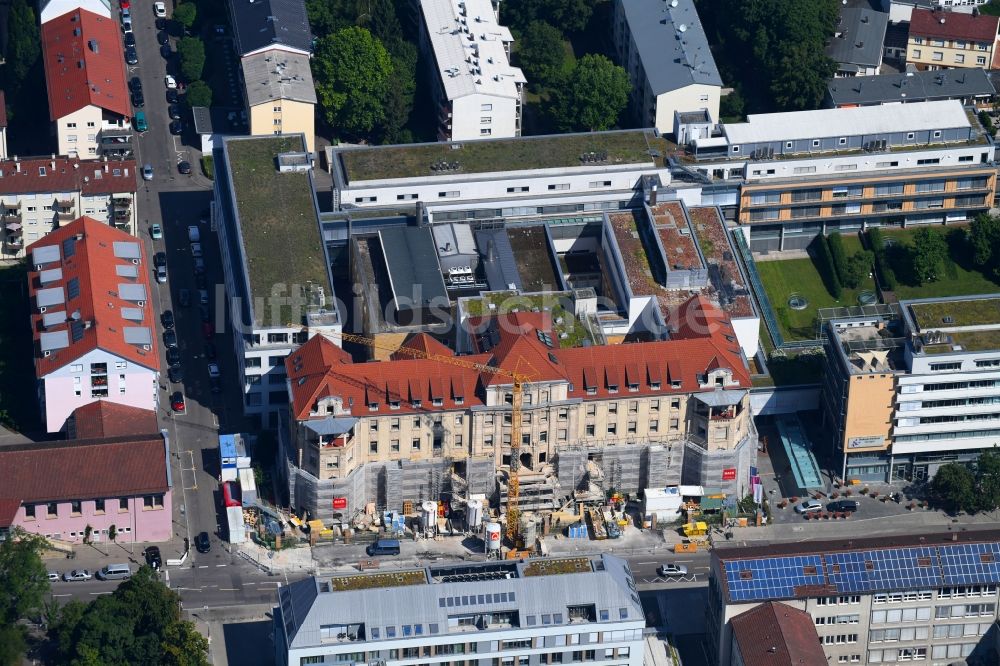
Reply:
x=518 y=379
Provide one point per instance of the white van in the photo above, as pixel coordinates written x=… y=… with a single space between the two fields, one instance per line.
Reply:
x=115 y=572
x=194 y=234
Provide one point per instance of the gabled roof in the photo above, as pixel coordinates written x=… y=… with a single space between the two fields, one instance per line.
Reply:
x=37 y=175
x=91 y=279
x=859 y=38
x=426 y=343
x=775 y=634
x=104 y=418
x=84 y=64
x=260 y=24
x=953 y=25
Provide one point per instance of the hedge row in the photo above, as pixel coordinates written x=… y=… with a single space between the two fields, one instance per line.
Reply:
x=825 y=264
x=886 y=278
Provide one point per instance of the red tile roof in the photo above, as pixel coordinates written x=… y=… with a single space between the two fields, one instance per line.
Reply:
x=312 y=376
x=67 y=174
x=79 y=470
x=84 y=64
x=775 y=634
x=94 y=266
x=953 y=25
x=425 y=343
x=110 y=419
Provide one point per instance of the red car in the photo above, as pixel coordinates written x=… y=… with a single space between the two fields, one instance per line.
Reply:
x=207 y=330
x=177 y=402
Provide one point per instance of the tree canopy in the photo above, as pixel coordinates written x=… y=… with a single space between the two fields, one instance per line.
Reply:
x=185 y=14
x=570 y=15
x=959 y=488
x=191 y=51
x=198 y=94
x=23 y=588
x=928 y=254
x=772 y=51
x=138 y=624
x=23 y=44
x=592 y=96
x=352 y=71
x=540 y=53
x=983 y=235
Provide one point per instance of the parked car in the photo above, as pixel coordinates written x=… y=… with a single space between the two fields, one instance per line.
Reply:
x=177 y=127
x=130 y=40
x=147 y=172
x=138 y=101
x=53 y=576
x=671 y=569
x=167 y=319
x=127 y=25
x=160 y=259
x=215 y=385
x=177 y=402
x=196 y=250
x=843 y=505
x=184 y=168
x=126 y=12
x=165 y=52
x=200 y=281
x=213 y=370
x=170 y=82
x=184 y=297
x=135 y=83
x=161 y=23
x=159 y=9
x=169 y=339
x=162 y=37
x=174 y=111
x=152 y=553
x=210 y=351
x=199 y=265
x=131 y=55
x=161 y=274
x=206 y=314
x=194 y=234
x=202 y=543
x=173 y=357
x=809 y=506
x=156 y=231
x=77 y=574
x=203 y=296
x=173 y=97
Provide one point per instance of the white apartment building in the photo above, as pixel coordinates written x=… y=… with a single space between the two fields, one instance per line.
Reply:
x=38 y=195
x=477 y=91
x=930 y=599
x=663 y=47
x=278 y=285
x=531 y=612
x=86 y=82
x=514 y=177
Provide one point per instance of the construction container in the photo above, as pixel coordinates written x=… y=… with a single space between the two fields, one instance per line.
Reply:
x=493 y=536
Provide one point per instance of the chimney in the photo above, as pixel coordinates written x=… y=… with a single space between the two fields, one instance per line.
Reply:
x=52 y=165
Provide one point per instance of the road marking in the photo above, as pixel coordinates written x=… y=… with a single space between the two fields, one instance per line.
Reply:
x=684 y=561
x=645 y=562
x=203 y=566
x=97 y=593
x=220 y=565
x=229 y=589
x=62 y=595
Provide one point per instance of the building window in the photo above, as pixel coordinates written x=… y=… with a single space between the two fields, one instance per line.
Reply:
x=29 y=511
x=486 y=107
x=76 y=507
x=959 y=58
x=51 y=510
x=415 y=444
x=980 y=60
x=937 y=55
x=486 y=120
x=99 y=506
x=394 y=445
x=485 y=131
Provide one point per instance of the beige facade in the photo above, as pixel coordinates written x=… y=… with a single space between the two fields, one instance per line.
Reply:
x=550 y=422
x=869 y=409
x=284 y=116
x=78 y=133
x=938 y=53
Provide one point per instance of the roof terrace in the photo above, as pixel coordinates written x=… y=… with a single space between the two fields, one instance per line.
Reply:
x=564 y=322
x=713 y=239
x=595 y=149
x=370 y=581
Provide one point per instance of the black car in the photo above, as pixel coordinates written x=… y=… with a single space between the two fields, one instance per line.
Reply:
x=130 y=39
x=184 y=296
x=131 y=57
x=174 y=111
x=165 y=52
x=161 y=23
x=201 y=543
x=160 y=259
x=215 y=385
x=200 y=282
x=184 y=167
x=177 y=127
x=206 y=314
x=162 y=37
x=210 y=352
x=175 y=374
x=138 y=101
x=153 y=559
x=843 y=505
x=169 y=339
x=135 y=84
x=173 y=357
x=172 y=96
x=167 y=319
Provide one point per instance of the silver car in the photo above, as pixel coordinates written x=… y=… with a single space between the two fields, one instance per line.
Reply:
x=77 y=574
x=809 y=506
x=671 y=569
x=147 y=172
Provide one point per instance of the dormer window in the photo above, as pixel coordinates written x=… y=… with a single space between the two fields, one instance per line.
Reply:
x=655 y=386
x=417 y=403
x=372 y=406
x=633 y=388
x=394 y=404
x=612 y=388
x=437 y=402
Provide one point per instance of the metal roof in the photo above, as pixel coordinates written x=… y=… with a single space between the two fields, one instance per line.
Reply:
x=331 y=425
x=498 y=259
x=672 y=45
x=259 y=24
x=306 y=605
x=859 y=37
x=277 y=74
x=721 y=398
x=412 y=263
x=454 y=238
x=867 y=120
x=51 y=296
x=911 y=87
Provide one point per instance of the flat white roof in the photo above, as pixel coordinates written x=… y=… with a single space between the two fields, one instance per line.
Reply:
x=792 y=125
x=469 y=48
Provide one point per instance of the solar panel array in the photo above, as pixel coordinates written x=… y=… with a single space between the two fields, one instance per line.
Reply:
x=772 y=577
x=862 y=571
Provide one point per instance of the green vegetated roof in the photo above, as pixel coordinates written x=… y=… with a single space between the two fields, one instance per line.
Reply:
x=521 y=153
x=948 y=314
x=545 y=567
x=563 y=320
x=976 y=340
x=281 y=236
x=377 y=580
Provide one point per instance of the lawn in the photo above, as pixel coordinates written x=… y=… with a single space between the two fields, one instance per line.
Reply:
x=782 y=278
x=960 y=278
x=18 y=401
x=990 y=9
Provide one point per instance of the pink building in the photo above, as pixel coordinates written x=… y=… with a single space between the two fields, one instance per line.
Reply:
x=92 y=320
x=115 y=474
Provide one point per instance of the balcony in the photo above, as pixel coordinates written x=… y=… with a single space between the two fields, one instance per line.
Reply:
x=121 y=202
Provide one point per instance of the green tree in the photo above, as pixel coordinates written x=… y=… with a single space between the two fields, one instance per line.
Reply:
x=820 y=250
x=23 y=43
x=988 y=479
x=382 y=21
x=732 y=105
x=12 y=644
x=540 y=53
x=185 y=14
x=181 y=641
x=592 y=96
x=928 y=254
x=955 y=487
x=570 y=15
x=839 y=254
x=329 y=16
x=23 y=579
x=198 y=94
x=984 y=240
x=398 y=101
x=191 y=51
x=352 y=71
x=857 y=269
